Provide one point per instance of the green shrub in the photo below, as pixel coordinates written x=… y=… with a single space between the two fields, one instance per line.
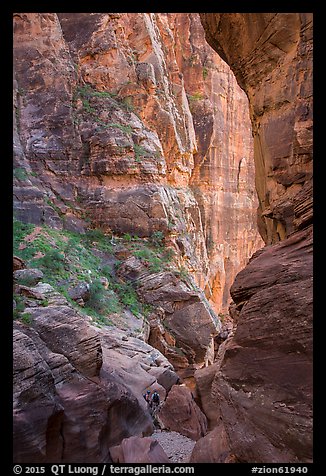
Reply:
x=168 y=254
x=157 y=238
x=195 y=97
x=96 y=299
x=205 y=72
x=148 y=256
x=20 y=306
x=125 y=129
x=26 y=281
x=101 y=300
x=53 y=261
x=155 y=265
x=107 y=272
x=94 y=235
x=127 y=237
x=183 y=273
x=26 y=318
x=127 y=104
x=128 y=297
x=20 y=174
x=144 y=254
x=140 y=151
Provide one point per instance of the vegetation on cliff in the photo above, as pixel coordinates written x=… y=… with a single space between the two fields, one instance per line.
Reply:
x=67 y=259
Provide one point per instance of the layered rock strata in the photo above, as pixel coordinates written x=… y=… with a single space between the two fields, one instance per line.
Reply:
x=63 y=367
x=109 y=112
x=223 y=176
x=120 y=122
x=183 y=326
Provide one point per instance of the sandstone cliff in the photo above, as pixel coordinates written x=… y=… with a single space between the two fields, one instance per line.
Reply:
x=110 y=110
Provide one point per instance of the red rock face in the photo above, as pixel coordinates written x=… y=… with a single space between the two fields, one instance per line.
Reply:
x=263 y=384
x=130 y=122
x=181 y=413
x=127 y=136
x=223 y=176
x=271 y=57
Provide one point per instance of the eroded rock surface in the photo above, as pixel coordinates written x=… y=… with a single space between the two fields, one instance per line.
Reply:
x=186 y=322
x=262 y=388
x=63 y=366
x=271 y=57
x=181 y=413
x=138 y=450
x=118 y=119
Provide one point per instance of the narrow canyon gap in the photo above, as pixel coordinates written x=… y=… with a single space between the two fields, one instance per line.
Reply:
x=133 y=147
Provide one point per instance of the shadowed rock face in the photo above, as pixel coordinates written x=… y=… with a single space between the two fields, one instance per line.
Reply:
x=271 y=57
x=83 y=153
x=262 y=388
x=70 y=377
x=181 y=413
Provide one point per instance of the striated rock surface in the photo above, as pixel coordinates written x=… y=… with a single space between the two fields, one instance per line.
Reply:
x=264 y=384
x=63 y=366
x=262 y=388
x=128 y=122
x=271 y=57
x=139 y=122
x=181 y=413
x=223 y=176
x=185 y=324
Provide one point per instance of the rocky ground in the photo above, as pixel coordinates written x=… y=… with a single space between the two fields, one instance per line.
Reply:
x=176 y=446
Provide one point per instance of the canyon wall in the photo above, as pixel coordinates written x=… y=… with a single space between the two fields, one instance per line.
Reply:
x=261 y=383
x=222 y=178
x=132 y=123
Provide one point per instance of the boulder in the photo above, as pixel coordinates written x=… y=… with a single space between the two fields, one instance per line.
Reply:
x=181 y=413
x=212 y=448
x=80 y=292
x=28 y=276
x=130 y=359
x=164 y=376
x=18 y=263
x=138 y=450
x=194 y=328
x=66 y=332
x=204 y=378
x=185 y=327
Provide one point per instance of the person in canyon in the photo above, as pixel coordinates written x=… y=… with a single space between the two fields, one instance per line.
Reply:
x=148 y=398
x=155 y=400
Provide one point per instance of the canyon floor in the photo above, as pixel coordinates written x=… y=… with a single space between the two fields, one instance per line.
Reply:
x=176 y=446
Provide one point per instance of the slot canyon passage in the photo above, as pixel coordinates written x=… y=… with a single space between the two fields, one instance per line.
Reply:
x=162 y=237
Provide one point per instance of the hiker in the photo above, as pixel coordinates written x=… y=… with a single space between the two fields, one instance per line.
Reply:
x=155 y=399
x=147 y=397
